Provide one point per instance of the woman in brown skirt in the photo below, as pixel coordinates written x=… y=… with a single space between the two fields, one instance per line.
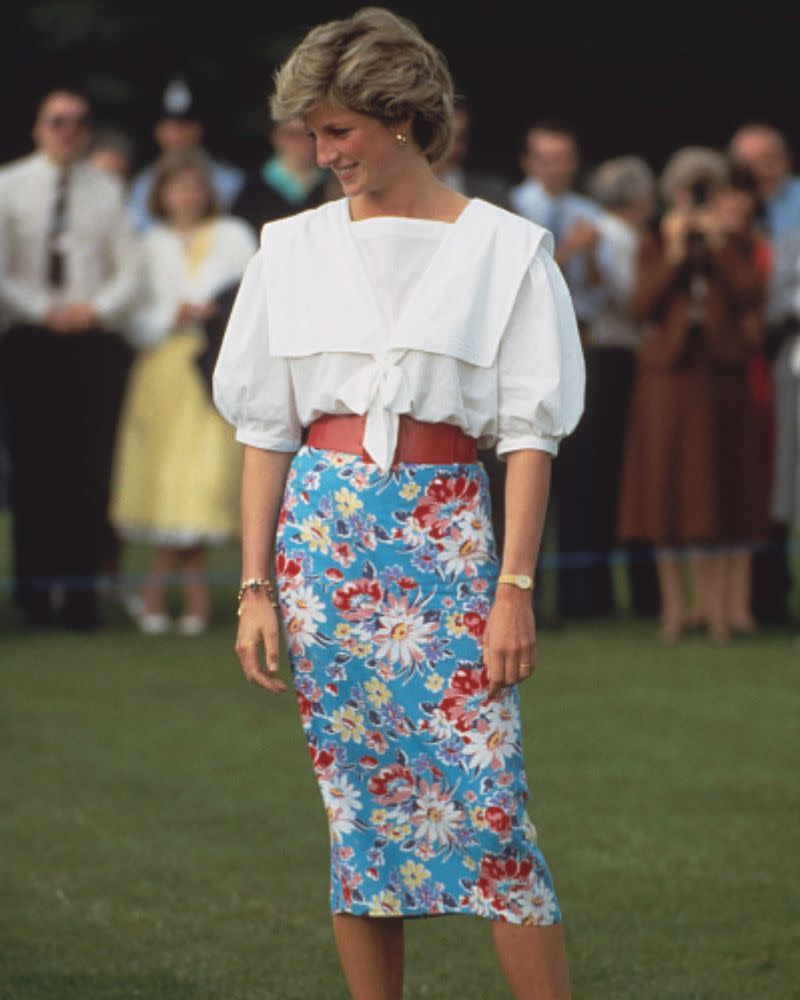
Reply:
x=692 y=443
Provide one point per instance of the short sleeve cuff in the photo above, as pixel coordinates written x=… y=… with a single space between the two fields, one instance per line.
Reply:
x=531 y=442
x=267 y=440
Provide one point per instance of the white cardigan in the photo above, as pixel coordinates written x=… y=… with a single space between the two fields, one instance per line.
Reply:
x=168 y=281
x=469 y=324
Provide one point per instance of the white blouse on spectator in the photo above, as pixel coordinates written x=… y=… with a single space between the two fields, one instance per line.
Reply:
x=468 y=323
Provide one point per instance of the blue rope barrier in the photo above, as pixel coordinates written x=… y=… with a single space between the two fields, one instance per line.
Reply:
x=548 y=562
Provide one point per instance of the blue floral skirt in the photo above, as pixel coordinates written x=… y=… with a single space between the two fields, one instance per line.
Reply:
x=386 y=581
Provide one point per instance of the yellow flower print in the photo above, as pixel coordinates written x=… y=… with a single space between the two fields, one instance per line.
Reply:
x=362 y=649
x=468 y=863
x=316 y=533
x=347 y=502
x=409 y=491
x=348 y=723
x=378 y=816
x=342 y=630
x=385 y=904
x=377 y=692
x=435 y=682
x=455 y=624
x=478 y=817
x=398 y=833
x=414 y=874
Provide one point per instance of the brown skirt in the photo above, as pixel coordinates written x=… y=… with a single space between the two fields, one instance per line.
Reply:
x=693 y=467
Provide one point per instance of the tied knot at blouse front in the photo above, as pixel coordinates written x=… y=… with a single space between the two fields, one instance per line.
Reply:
x=527 y=392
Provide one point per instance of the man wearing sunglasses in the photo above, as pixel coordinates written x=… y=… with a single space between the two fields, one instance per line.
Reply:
x=67 y=275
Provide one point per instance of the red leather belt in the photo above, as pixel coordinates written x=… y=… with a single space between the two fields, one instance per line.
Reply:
x=430 y=444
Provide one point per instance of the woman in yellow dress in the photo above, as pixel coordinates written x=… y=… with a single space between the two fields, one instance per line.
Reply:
x=175 y=481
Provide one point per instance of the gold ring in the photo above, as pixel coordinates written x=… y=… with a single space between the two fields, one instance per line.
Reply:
x=523 y=665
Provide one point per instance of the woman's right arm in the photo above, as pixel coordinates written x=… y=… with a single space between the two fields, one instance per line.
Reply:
x=660 y=270
x=263 y=480
x=253 y=391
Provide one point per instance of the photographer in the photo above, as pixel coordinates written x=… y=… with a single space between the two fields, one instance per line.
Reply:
x=691 y=443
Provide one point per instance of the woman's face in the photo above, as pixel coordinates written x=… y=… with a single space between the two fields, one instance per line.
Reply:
x=184 y=197
x=361 y=150
x=735 y=210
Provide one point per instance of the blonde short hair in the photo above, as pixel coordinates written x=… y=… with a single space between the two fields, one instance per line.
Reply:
x=374 y=63
x=691 y=165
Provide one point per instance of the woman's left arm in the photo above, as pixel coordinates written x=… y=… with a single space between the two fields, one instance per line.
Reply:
x=509 y=642
x=540 y=398
x=735 y=267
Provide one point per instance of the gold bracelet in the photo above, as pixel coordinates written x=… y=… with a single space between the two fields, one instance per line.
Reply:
x=258 y=584
x=520 y=580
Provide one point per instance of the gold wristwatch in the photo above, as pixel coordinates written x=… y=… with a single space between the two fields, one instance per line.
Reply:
x=521 y=580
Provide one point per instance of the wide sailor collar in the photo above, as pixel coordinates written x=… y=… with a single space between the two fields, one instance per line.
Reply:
x=320 y=299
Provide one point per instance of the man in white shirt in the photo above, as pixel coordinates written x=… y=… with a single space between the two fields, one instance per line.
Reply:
x=766 y=152
x=550 y=162
x=68 y=273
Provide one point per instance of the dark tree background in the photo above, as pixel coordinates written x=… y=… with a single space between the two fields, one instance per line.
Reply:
x=632 y=77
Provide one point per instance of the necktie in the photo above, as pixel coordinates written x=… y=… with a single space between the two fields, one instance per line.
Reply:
x=58 y=226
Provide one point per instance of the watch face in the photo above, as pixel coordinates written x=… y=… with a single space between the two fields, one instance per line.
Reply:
x=523 y=581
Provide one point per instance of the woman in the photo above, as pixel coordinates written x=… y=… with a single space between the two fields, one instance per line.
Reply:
x=401 y=325
x=175 y=460
x=287 y=183
x=691 y=441
x=738 y=207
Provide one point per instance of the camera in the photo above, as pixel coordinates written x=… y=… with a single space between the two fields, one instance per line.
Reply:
x=700 y=193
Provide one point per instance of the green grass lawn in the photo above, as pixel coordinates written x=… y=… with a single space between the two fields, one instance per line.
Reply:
x=162 y=835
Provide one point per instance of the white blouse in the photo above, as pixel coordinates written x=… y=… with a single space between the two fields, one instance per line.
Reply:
x=527 y=394
x=169 y=278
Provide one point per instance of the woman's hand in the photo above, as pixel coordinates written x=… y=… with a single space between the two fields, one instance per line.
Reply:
x=190 y=312
x=509 y=642
x=258 y=622
x=674 y=231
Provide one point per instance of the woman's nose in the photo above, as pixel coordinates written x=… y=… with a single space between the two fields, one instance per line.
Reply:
x=325 y=152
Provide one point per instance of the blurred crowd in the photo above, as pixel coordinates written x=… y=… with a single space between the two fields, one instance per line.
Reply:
x=115 y=290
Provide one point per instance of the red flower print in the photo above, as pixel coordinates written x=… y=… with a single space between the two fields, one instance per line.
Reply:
x=475 y=624
x=322 y=759
x=343 y=554
x=376 y=741
x=501 y=878
x=334 y=574
x=461 y=702
x=368 y=762
x=446 y=497
x=305 y=707
x=357 y=600
x=286 y=569
x=498 y=819
x=392 y=784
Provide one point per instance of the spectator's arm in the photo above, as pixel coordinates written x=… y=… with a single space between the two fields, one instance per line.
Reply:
x=657 y=279
x=116 y=296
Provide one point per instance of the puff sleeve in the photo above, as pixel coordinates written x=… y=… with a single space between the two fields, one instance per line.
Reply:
x=541 y=374
x=253 y=390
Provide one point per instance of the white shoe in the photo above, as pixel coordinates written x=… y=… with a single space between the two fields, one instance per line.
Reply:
x=191 y=625
x=133 y=604
x=154 y=623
